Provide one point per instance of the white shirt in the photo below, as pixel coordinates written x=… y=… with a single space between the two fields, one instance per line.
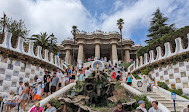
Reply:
x=152 y=109
x=39 y=89
x=87 y=73
x=59 y=75
x=20 y=89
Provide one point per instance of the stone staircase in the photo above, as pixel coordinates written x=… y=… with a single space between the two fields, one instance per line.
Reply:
x=163 y=100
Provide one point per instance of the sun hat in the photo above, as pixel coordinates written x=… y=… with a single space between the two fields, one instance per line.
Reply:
x=140 y=102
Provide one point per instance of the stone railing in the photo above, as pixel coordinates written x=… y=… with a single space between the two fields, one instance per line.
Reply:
x=6 y=47
x=144 y=61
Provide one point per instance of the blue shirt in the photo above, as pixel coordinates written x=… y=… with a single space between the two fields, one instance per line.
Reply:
x=129 y=79
x=52 y=110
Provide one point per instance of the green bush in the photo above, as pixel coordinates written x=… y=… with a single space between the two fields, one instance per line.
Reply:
x=136 y=76
x=144 y=98
x=177 y=91
x=163 y=85
x=56 y=103
x=146 y=70
x=126 y=65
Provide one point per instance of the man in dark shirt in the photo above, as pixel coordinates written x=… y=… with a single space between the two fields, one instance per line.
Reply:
x=46 y=79
x=119 y=108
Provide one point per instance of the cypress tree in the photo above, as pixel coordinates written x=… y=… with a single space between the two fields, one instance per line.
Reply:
x=158 y=26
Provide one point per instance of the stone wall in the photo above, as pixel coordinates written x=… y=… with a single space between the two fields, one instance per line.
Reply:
x=15 y=63
x=175 y=75
x=11 y=71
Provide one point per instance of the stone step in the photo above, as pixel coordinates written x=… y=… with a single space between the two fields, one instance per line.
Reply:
x=178 y=108
x=153 y=95
x=165 y=101
x=168 y=104
x=158 y=98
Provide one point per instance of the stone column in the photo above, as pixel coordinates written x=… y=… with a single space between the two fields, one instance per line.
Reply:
x=114 y=54
x=127 y=55
x=68 y=56
x=80 y=54
x=97 y=51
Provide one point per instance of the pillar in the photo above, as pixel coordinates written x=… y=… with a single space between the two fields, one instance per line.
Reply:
x=97 y=51
x=127 y=55
x=68 y=56
x=114 y=54
x=80 y=54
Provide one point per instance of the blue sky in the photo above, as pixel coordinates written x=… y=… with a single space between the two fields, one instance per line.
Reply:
x=58 y=16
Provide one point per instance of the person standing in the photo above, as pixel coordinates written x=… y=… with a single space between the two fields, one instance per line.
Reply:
x=141 y=106
x=119 y=108
x=20 y=88
x=46 y=80
x=60 y=76
x=118 y=77
x=40 y=88
x=25 y=96
x=80 y=75
x=129 y=79
x=54 y=83
x=186 y=109
x=87 y=72
x=152 y=83
x=154 y=107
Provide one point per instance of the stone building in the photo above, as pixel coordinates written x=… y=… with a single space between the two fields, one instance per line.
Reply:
x=97 y=44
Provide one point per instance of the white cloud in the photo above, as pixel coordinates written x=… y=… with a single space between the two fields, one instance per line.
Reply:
x=138 y=15
x=58 y=16
x=52 y=16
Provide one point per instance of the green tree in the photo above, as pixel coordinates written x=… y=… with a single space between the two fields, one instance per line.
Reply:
x=16 y=27
x=46 y=41
x=158 y=27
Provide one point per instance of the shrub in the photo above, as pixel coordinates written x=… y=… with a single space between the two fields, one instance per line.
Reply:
x=56 y=103
x=177 y=91
x=163 y=85
x=146 y=70
x=136 y=76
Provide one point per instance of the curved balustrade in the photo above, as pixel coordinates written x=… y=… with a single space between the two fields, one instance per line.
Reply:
x=167 y=54
x=20 y=49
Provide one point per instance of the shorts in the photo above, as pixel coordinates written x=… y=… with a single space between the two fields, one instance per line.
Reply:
x=60 y=84
x=46 y=89
x=129 y=83
x=37 y=97
x=25 y=97
x=53 y=89
x=72 y=77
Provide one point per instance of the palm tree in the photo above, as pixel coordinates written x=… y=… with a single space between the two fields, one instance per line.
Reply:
x=74 y=32
x=120 y=27
x=45 y=41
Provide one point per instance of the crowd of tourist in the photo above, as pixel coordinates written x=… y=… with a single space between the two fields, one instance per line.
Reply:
x=52 y=82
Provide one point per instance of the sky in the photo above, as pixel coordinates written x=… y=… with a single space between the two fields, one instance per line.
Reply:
x=58 y=16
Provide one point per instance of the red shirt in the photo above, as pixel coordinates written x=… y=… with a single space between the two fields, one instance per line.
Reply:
x=113 y=75
x=34 y=110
